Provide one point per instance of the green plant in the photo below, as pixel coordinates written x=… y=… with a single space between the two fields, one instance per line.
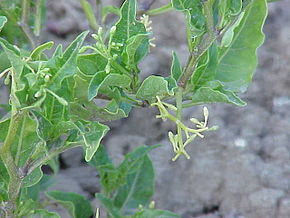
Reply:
x=52 y=107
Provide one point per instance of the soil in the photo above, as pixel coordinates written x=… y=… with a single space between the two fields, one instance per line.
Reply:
x=240 y=171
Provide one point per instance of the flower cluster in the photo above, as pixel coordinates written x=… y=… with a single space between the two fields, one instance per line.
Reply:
x=183 y=131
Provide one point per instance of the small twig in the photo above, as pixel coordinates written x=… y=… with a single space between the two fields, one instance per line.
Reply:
x=24 y=22
x=99 y=6
x=205 y=43
x=38 y=15
x=87 y=8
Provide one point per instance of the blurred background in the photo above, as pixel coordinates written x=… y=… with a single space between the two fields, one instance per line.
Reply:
x=241 y=170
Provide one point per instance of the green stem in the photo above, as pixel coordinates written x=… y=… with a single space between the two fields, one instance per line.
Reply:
x=38 y=15
x=87 y=8
x=14 y=174
x=19 y=146
x=99 y=6
x=204 y=45
x=24 y=22
x=161 y=10
x=51 y=154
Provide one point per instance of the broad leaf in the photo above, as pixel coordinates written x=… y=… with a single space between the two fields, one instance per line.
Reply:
x=193 y=10
x=91 y=134
x=68 y=63
x=139 y=187
x=237 y=62
x=127 y=26
x=90 y=64
x=102 y=79
x=41 y=213
x=206 y=95
x=139 y=180
x=153 y=86
x=137 y=47
x=77 y=205
x=109 y=176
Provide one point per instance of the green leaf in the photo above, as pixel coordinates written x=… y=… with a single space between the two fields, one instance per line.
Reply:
x=14 y=57
x=77 y=205
x=237 y=62
x=41 y=213
x=227 y=10
x=229 y=34
x=33 y=178
x=154 y=213
x=68 y=63
x=127 y=26
x=176 y=69
x=139 y=176
x=139 y=187
x=86 y=110
x=153 y=86
x=110 y=9
x=193 y=10
x=109 y=205
x=34 y=191
x=91 y=134
x=90 y=64
x=206 y=95
x=36 y=53
x=137 y=47
x=109 y=176
x=3 y=20
x=104 y=80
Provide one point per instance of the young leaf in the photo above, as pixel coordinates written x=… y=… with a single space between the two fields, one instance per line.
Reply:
x=3 y=20
x=237 y=62
x=138 y=174
x=68 y=63
x=14 y=57
x=193 y=9
x=127 y=26
x=110 y=9
x=153 y=86
x=229 y=34
x=90 y=64
x=102 y=79
x=139 y=187
x=205 y=95
x=91 y=134
x=36 y=53
x=77 y=205
x=109 y=205
x=41 y=213
x=109 y=176
x=176 y=69
x=137 y=47
x=33 y=178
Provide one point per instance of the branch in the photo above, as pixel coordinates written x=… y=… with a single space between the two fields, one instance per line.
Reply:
x=24 y=22
x=204 y=45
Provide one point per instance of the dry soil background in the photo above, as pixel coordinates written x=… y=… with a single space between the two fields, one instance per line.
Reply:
x=241 y=170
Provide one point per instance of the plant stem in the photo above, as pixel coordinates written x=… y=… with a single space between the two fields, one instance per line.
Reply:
x=24 y=22
x=6 y=156
x=99 y=6
x=38 y=15
x=87 y=8
x=51 y=154
x=161 y=10
x=205 y=43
